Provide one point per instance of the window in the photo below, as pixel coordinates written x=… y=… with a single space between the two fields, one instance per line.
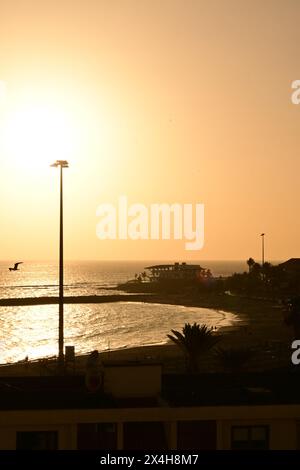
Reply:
x=250 y=437
x=144 y=436
x=200 y=435
x=37 y=440
x=97 y=436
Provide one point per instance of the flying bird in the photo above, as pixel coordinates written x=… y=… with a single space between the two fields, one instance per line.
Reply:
x=15 y=268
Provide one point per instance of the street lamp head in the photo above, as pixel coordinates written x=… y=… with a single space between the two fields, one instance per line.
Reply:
x=61 y=163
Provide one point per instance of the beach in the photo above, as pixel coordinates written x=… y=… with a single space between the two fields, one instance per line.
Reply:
x=260 y=327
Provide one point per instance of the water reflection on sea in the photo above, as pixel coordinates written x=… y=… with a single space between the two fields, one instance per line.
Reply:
x=32 y=330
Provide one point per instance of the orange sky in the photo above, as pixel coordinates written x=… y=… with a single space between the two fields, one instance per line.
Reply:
x=162 y=101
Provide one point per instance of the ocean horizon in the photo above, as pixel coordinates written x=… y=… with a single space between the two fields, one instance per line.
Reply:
x=40 y=278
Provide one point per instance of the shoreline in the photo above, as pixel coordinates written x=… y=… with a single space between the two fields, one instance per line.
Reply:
x=229 y=303
x=259 y=322
x=80 y=299
x=263 y=317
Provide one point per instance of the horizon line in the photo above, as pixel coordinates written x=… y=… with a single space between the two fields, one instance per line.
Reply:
x=174 y=260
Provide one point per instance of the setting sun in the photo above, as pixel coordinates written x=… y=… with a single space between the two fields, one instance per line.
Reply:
x=2 y=91
x=38 y=133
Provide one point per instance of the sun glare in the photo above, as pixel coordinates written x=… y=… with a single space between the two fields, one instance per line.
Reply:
x=38 y=134
x=3 y=91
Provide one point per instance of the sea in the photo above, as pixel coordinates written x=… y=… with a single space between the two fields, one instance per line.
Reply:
x=32 y=331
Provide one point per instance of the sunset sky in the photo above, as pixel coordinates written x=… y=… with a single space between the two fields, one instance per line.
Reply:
x=163 y=101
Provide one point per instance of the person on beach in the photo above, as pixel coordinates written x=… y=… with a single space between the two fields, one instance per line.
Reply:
x=94 y=376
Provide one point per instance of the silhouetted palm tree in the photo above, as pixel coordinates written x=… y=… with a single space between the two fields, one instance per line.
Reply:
x=251 y=263
x=194 y=341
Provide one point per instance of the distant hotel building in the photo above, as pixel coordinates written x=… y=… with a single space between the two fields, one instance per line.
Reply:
x=177 y=271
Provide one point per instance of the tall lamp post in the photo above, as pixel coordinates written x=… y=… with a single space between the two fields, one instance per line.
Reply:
x=61 y=164
x=262 y=249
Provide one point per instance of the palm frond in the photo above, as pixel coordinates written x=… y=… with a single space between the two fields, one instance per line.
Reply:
x=195 y=339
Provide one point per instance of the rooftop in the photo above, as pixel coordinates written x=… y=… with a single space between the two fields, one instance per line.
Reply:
x=274 y=388
x=175 y=266
x=69 y=392
x=293 y=263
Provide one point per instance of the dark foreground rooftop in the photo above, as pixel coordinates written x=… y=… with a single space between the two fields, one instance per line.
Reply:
x=21 y=393
x=266 y=388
